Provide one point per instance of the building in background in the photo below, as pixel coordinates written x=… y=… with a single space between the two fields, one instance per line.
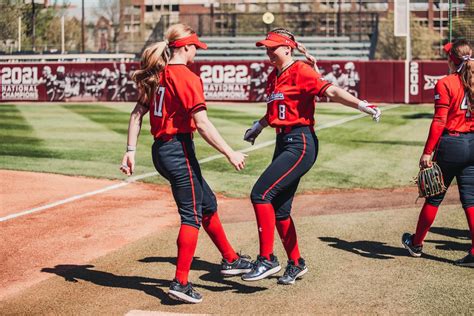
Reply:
x=140 y=18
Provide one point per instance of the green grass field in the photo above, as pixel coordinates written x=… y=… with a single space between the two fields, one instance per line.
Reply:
x=89 y=140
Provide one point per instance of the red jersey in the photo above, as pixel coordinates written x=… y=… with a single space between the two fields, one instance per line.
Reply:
x=291 y=95
x=450 y=93
x=179 y=95
x=451 y=111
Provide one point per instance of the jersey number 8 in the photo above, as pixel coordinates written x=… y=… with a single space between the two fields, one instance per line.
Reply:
x=158 y=108
x=281 y=111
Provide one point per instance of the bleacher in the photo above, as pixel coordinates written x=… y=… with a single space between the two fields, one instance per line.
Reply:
x=322 y=48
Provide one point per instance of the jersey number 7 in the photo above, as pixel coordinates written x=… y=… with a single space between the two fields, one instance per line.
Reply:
x=158 y=108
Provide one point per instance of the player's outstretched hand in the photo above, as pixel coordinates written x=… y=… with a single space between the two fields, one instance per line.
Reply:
x=128 y=163
x=252 y=133
x=237 y=159
x=370 y=109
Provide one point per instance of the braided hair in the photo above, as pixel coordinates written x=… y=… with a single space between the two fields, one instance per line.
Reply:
x=300 y=47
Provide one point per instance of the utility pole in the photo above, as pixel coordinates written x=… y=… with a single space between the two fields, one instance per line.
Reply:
x=82 y=30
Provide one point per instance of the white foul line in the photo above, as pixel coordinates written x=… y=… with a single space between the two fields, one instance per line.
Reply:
x=152 y=174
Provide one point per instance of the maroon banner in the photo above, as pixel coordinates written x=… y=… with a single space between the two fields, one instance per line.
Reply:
x=68 y=82
x=375 y=81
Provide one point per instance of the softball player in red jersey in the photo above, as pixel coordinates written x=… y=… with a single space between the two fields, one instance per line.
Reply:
x=291 y=91
x=174 y=97
x=451 y=139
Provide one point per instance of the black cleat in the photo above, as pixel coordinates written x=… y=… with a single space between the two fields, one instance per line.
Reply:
x=407 y=242
x=241 y=265
x=262 y=268
x=292 y=272
x=185 y=293
x=467 y=261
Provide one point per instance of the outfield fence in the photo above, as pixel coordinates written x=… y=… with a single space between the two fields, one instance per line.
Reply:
x=242 y=81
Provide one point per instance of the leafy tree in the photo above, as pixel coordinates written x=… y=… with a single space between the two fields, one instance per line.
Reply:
x=9 y=21
x=423 y=41
x=463 y=26
x=72 y=34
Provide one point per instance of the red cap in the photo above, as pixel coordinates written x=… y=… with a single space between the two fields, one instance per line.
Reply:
x=275 y=40
x=188 y=40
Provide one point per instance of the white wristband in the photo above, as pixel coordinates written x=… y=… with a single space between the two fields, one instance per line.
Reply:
x=362 y=105
x=131 y=148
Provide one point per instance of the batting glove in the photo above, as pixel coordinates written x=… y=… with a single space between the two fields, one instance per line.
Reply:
x=252 y=133
x=370 y=109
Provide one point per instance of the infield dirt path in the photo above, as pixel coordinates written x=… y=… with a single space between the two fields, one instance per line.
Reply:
x=88 y=228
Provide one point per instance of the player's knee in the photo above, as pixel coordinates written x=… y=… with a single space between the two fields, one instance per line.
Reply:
x=258 y=197
x=435 y=200
x=194 y=223
x=467 y=202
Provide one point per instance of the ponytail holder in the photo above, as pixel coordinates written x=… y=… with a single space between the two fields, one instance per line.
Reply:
x=464 y=60
x=166 y=41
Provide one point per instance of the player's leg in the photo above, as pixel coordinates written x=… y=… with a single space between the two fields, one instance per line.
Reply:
x=172 y=158
x=450 y=158
x=232 y=262
x=296 y=265
x=295 y=154
x=466 y=193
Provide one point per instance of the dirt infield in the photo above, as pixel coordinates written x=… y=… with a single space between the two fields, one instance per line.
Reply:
x=88 y=228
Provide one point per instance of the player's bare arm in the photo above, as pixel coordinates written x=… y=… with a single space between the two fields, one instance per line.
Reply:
x=134 y=127
x=339 y=95
x=210 y=134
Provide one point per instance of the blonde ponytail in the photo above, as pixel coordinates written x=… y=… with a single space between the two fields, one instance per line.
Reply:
x=311 y=59
x=154 y=59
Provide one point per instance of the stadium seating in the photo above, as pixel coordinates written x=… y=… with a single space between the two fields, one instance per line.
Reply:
x=323 y=48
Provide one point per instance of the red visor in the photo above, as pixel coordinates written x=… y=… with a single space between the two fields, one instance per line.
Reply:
x=275 y=40
x=188 y=40
x=447 y=49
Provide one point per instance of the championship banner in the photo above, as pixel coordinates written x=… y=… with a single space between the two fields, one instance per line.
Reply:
x=67 y=82
x=245 y=81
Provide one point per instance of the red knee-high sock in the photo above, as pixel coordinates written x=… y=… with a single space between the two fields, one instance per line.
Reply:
x=265 y=215
x=470 y=220
x=425 y=220
x=187 y=241
x=213 y=227
x=286 y=230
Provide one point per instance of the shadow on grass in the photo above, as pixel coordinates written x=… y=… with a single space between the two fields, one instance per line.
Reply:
x=449 y=245
x=213 y=275
x=391 y=142
x=374 y=249
x=418 y=116
x=462 y=234
x=150 y=286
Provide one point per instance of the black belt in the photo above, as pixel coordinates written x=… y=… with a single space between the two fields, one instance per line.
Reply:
x=287 y=129
x=179 y=136
x=454 y=133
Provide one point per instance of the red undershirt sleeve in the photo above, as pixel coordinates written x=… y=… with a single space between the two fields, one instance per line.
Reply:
x=436 y=129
